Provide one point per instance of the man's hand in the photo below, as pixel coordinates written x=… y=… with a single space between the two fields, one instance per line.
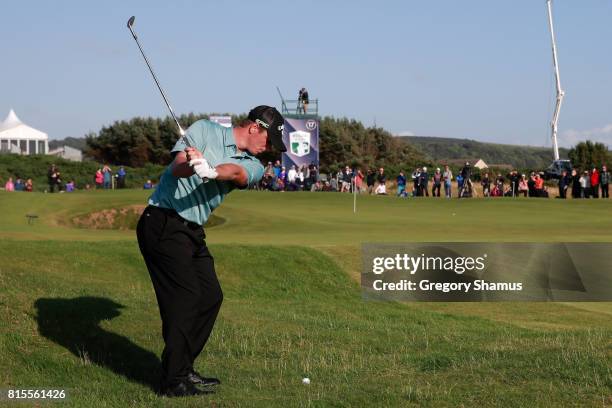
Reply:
x=203 y=169
x=192 y=153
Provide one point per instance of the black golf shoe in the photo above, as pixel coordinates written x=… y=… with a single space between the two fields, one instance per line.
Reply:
x=184 y=388
x=197 y=379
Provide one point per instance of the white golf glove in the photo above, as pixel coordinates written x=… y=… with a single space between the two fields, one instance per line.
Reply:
x=203 y=169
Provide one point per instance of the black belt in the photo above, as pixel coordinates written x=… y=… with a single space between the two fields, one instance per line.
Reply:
x=173 y=214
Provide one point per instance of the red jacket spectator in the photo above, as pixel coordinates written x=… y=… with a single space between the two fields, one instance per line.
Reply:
x=594 y=177
x=539 y=182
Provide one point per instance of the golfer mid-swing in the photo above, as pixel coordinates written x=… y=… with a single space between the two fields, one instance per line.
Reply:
x=171 y=237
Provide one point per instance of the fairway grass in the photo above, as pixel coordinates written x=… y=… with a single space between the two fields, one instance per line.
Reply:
x=327 y=219
x=77 y=310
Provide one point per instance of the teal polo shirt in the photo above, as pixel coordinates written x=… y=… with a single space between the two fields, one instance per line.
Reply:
x=191 y=197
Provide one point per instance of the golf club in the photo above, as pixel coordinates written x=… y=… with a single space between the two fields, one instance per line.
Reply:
x=130 y=23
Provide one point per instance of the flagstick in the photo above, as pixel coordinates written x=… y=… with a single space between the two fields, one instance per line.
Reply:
x=354 y=197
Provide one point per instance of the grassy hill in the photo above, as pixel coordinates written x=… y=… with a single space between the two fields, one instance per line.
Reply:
x=78 y=310
x=439 y=149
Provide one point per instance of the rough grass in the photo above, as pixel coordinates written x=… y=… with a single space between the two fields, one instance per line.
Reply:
x=81 y=314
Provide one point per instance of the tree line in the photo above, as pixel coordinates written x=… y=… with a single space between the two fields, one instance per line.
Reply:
x=139 y=141
x=586 y=155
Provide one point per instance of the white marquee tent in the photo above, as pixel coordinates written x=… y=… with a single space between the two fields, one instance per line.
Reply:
x=17 y=137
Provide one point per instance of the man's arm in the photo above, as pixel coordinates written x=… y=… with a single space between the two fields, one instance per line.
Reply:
x=232 y=172
x=226 y=172
x=180 y=166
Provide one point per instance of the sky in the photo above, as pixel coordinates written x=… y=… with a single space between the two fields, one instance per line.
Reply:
x=465 y=69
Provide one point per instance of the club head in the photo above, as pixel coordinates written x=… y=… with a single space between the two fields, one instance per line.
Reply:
x=130 y=22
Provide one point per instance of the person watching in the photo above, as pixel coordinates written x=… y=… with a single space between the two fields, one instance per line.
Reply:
x=604 y=178
x=448 y=178
x=303 y=100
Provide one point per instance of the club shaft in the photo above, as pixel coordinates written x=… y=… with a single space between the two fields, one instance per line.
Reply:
x=181 y=131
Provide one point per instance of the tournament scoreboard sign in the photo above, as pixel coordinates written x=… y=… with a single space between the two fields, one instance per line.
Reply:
x=301 y=137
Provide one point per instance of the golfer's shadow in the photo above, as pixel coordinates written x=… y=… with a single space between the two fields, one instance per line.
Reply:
x=74 y=324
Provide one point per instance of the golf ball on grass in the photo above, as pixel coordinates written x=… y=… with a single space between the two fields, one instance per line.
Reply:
x=306 y=381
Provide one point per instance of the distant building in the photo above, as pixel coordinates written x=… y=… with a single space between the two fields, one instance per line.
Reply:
x=480 y=164
x=476 y=163
x=17 y=137
x=68 y=153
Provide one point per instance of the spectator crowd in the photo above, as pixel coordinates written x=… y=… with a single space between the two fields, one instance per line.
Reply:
x=422 y=182
x=18 y=185
x=438 y=182
x=102 y=179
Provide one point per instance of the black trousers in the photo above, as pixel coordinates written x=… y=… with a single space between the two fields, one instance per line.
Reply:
x=435 y=191
x=605 y=193
x=186 y=286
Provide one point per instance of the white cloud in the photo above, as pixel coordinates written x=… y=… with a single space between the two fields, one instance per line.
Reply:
x=571 y=137
x=405 y=133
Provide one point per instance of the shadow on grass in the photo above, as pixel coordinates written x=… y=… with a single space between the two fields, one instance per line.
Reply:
x=74 y=324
